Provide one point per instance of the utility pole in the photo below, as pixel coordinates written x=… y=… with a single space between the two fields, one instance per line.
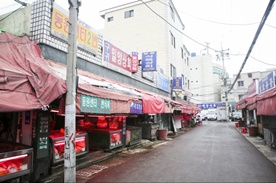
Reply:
x=70 y=108
x=221 y=56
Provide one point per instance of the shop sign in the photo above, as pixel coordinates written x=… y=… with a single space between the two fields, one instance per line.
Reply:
x=177 y=83
x=252 y=88
x=42 y=134
x=135 y=61
x=163 y=82
x=136 y=108
x=210 y=105
x=149 y=61
x=267 y=83
x=87 y=37
x=91 y=104
x=149 y=75
x=117 y=57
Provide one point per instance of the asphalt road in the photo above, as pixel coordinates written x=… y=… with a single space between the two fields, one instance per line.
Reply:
x=213 y=152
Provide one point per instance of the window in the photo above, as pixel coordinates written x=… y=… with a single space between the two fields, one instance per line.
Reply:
x=173 y=71
x=110 y=19
x=240 y=96
x=172 y=40
x=249 y=75
x=240 y=83
x=182 y=53
x=129 y=13
x=188 y=84
x=172 y=13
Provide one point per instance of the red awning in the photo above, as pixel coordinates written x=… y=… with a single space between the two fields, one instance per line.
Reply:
x=152 y=104
x=242 y=103
x=26 y=81
x=266 y=103
x=252 y=103
x=120 y=102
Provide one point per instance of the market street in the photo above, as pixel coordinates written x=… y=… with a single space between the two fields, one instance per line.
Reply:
x=213 y=152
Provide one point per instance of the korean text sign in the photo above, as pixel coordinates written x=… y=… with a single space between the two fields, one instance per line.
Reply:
x=136 y=108
x=149 y=61
x=267 y=83
x=86 y=37
x=91 y=104
x=117 y=57
x=163 y=82
x=177 y=83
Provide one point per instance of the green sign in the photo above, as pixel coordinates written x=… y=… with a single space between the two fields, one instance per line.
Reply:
x=90 y=104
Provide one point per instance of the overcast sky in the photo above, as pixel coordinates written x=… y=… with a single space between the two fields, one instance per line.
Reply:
x=224 y=24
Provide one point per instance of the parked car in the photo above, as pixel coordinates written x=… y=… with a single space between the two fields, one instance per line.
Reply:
x=236 y=116
x=211 y=116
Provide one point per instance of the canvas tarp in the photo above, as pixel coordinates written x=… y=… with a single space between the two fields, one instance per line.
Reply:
x=26 y=81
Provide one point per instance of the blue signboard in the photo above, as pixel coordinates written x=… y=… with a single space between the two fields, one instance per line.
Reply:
x=267 y=83
x=177 y=83
x=211 y=105
x=163 y=82
x=136 y=108
x=149 y=61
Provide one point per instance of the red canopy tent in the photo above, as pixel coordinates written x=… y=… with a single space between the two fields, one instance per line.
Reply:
x=242 y=103
x=26 y=81
x=266 y=103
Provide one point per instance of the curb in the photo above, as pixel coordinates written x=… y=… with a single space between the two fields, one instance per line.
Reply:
x=269 y=153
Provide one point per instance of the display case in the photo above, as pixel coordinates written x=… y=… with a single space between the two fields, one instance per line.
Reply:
x=105 y=139
x=133 y=135
x=149 y=130
x=57 y=143
x=16 y=160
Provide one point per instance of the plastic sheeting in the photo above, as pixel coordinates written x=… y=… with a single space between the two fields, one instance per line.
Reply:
x=26 y=81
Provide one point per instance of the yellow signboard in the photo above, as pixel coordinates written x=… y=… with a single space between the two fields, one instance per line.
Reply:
x=87 y=39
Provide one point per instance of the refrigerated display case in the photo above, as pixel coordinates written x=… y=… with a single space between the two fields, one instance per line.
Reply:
x=16 y=160
x=105 y=139
x=57 y=143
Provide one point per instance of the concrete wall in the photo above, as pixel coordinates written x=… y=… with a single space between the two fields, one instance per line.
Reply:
x=17 y=23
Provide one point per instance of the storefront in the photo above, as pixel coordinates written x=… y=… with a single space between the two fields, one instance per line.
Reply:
x=27 y=88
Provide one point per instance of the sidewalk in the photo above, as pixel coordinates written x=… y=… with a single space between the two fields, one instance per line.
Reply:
x=99 y=156
x=260 y=144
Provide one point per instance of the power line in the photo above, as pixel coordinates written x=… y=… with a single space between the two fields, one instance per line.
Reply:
x=267 y=11
x=174 y=26
x=262 y=61
x=215 y=22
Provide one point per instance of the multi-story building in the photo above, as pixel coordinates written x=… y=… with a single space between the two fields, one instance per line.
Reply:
x=206 y=81
x=245 y=79
x=152 y=26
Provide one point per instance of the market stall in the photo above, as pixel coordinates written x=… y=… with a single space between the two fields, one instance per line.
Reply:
x=104 y=132
x=57 y=143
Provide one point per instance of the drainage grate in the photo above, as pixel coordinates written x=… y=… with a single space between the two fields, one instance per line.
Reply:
x=89 y=171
